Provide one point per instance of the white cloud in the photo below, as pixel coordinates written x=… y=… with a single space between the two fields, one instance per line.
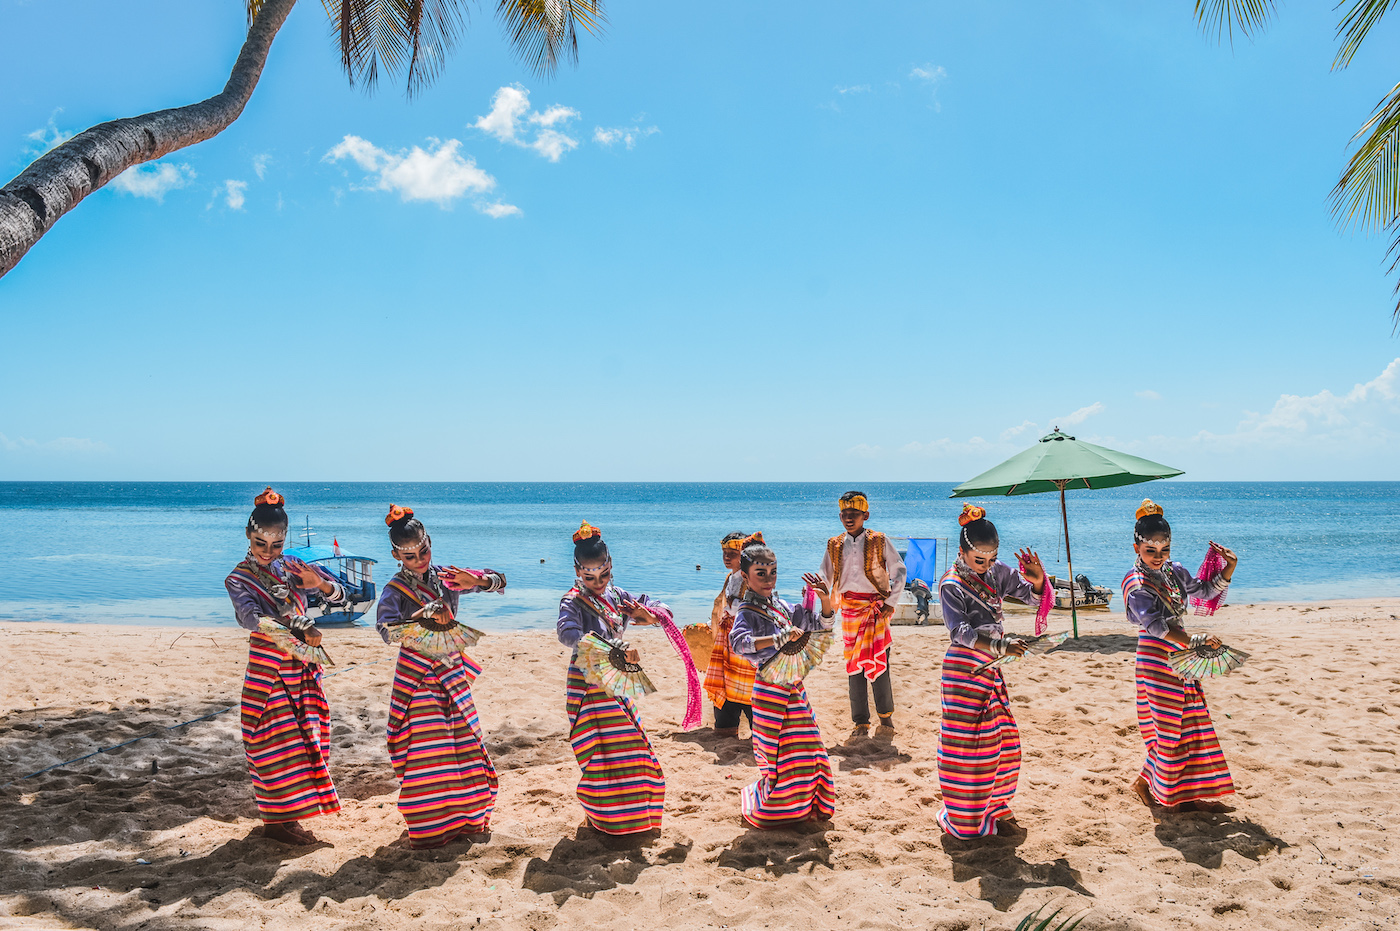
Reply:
x=440 y=174
x=511 y=120
x=929 y=73
x=153 y=179
x=1148 y=395
x=1367 y=415
x=260 y=165
x=627 y=135
x=853 y=89
x=63 y=445
x=49 y=137
x=498 y=210
x=233 y=194
x=1081 y=415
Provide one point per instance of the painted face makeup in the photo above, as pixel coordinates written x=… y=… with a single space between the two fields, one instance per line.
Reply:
x=977 y=559
x=265 y=545
x=762 y=578
x=416 y=558
x=595 y=577
x=1154 y=553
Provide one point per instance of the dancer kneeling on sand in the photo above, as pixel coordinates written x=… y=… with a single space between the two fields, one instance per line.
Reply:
x=794 y=781
x=979 y=746
x=620 y=786
x=286 y=721
x=729 y=677
x=447 y=781
x=1185 y=764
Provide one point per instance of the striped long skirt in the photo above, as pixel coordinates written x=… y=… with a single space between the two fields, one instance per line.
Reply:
x=794 y=782
x=1184 y=759
x=979 y=747
x=286 y=734
x=621 y=786
x=447 y=783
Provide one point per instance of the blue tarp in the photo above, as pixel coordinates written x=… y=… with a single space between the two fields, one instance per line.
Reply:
x=922 y=561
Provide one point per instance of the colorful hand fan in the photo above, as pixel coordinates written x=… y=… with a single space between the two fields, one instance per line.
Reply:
x=287 y=642
x=443 y=645
x=605 y=666
x=796 y=658
x=1034 y=647
x=1201 y=661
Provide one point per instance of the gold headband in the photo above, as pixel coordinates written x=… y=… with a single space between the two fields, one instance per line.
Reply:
x=735 y=545
x=857 y=502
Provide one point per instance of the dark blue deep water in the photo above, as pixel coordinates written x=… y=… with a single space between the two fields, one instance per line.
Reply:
x=158 y=552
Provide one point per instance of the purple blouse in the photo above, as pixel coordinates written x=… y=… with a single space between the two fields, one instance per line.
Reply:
x=966 y=616
x=1153 y=615
x=752 y=624
x=249 y=602
x=395 y=606
x=576 y=618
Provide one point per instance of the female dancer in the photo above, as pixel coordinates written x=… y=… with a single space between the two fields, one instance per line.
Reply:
x=620 y=784
x=286 y=721
x=729 y=678
x=794 y=782
x=448 y=784
x=1185 y=764
x=979 y=747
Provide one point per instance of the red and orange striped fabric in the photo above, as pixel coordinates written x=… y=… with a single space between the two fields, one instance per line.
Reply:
x=794 y=782
x=448 y=783
x=728 y=677
x=1184 y=759
x=286 y=734
x=620 y=787
x=979 y=746
x=865 y=635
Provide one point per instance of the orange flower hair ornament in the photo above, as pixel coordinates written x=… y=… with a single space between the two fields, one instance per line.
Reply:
x=1148 y=507
x=396 y=514
x=269 y=497
x=755 y=537
x=586 y=531
x=970 y=513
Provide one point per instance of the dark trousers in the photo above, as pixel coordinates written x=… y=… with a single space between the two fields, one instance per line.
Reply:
x=728 y=716
x=884 y=695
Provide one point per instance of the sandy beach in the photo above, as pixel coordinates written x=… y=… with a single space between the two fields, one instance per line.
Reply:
x=163 y=833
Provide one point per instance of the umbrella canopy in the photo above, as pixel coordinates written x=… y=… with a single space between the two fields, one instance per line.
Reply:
x=1060 y=461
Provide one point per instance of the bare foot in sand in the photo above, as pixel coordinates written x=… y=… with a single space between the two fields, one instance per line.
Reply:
x=1144 y=796
x=289 y=832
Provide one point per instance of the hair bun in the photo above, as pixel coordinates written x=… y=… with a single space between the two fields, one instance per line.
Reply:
x=396 y=514
x=1147 y=508
x=970 y=513
x=269 y=497
x=586 y=531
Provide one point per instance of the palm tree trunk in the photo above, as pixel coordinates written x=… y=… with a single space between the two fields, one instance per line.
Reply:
x=54 y=184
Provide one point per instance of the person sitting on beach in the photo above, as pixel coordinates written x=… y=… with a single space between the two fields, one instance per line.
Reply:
x=286 y=720
x=447 y=781
x=979 y=746
x=864 y=570
x=1185 y=765
x=621 y=786
x=794 y=782
x=729 y=677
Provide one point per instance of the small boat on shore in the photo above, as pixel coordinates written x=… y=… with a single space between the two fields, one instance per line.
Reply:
x=1087 y=596
x=355 y=574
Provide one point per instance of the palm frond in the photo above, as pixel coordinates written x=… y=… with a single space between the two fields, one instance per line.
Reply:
x=1367 y=195
x=1033 y=921
x=391 y=37
x=1356 y=26
x=544 y=31
x=1226 y=17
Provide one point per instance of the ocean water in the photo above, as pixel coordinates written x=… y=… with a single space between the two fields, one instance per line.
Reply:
x=134 y=552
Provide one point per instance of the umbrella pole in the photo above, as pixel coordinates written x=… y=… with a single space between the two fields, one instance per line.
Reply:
x=1069 y=561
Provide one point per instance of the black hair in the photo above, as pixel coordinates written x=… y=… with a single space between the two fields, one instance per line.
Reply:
x=755 y=552
x=851 y=495
x=590 y=549
x=1150 y=527
x=406 y=531
x=733 y=536
x=977 y=534
x=267 y=517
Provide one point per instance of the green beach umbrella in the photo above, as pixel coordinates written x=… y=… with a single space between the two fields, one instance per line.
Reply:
x=1059 y=461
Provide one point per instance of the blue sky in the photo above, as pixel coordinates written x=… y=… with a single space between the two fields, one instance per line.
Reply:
x=762 y=242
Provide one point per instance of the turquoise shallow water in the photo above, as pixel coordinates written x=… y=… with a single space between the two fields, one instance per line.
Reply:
x=134 y=552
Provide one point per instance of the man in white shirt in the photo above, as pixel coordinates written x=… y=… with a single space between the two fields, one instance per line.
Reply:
x=865 y=572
